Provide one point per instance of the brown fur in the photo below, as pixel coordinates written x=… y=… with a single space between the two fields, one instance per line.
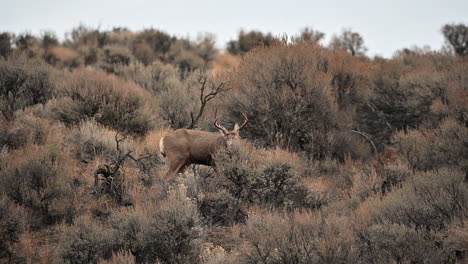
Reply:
x=184 y=147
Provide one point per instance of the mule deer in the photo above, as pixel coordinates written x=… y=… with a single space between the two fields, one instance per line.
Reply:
x=184 y=147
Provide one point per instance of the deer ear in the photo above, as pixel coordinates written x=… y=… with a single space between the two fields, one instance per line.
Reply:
x=221 y=132
x=236 y=127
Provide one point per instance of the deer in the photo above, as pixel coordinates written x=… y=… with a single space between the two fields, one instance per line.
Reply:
x=184 y=147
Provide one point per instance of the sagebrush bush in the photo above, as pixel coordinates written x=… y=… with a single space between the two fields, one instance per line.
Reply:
x=41 y=182
x=86 y=241
x=298 y=238
x=427 y=200
x=120 y=257
x=11 y=226
x=400 y=98
x=23 y=83
x=398 y=243
x=301 y=97
x=28 y=128
x=175 y=106
x=169 y=232
x=156 y=77
x=273 y=181
x=90 y=140
x=222 y=208
x=112 y=102
x=150 y=44
x=114 y=55
x=426 y=149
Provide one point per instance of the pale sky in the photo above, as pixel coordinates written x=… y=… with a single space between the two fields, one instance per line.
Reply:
x=386 y=26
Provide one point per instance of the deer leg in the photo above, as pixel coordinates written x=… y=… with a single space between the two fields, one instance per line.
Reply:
x=174 y=168
x=215 y=169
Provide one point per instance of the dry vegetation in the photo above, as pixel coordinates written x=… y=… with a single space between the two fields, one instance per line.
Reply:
x=345 y=159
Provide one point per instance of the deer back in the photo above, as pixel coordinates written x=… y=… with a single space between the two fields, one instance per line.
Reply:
x=194 y=145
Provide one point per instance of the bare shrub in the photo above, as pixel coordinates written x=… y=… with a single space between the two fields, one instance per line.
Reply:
x=457 y=239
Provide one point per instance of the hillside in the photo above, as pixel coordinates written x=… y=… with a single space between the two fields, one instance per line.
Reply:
x=344 y=159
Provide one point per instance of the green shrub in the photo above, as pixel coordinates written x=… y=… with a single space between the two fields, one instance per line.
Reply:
x=114 y=103
x=6 y=40
x=248 y=40
x=151 y=44
x=23 y=83
x=184 y=58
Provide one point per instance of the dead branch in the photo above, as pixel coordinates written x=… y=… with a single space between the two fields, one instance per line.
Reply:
x=368 y=137
x=215 y=89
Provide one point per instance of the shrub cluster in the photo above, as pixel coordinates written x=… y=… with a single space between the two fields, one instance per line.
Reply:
x=110 y=101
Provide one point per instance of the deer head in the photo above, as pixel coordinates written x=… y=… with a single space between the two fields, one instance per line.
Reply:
x=230 y=136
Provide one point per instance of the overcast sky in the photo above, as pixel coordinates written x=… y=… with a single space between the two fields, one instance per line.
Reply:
x=386 y=25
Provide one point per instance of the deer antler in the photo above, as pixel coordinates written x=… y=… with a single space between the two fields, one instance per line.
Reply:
x=245 y=118
x=220 y=127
